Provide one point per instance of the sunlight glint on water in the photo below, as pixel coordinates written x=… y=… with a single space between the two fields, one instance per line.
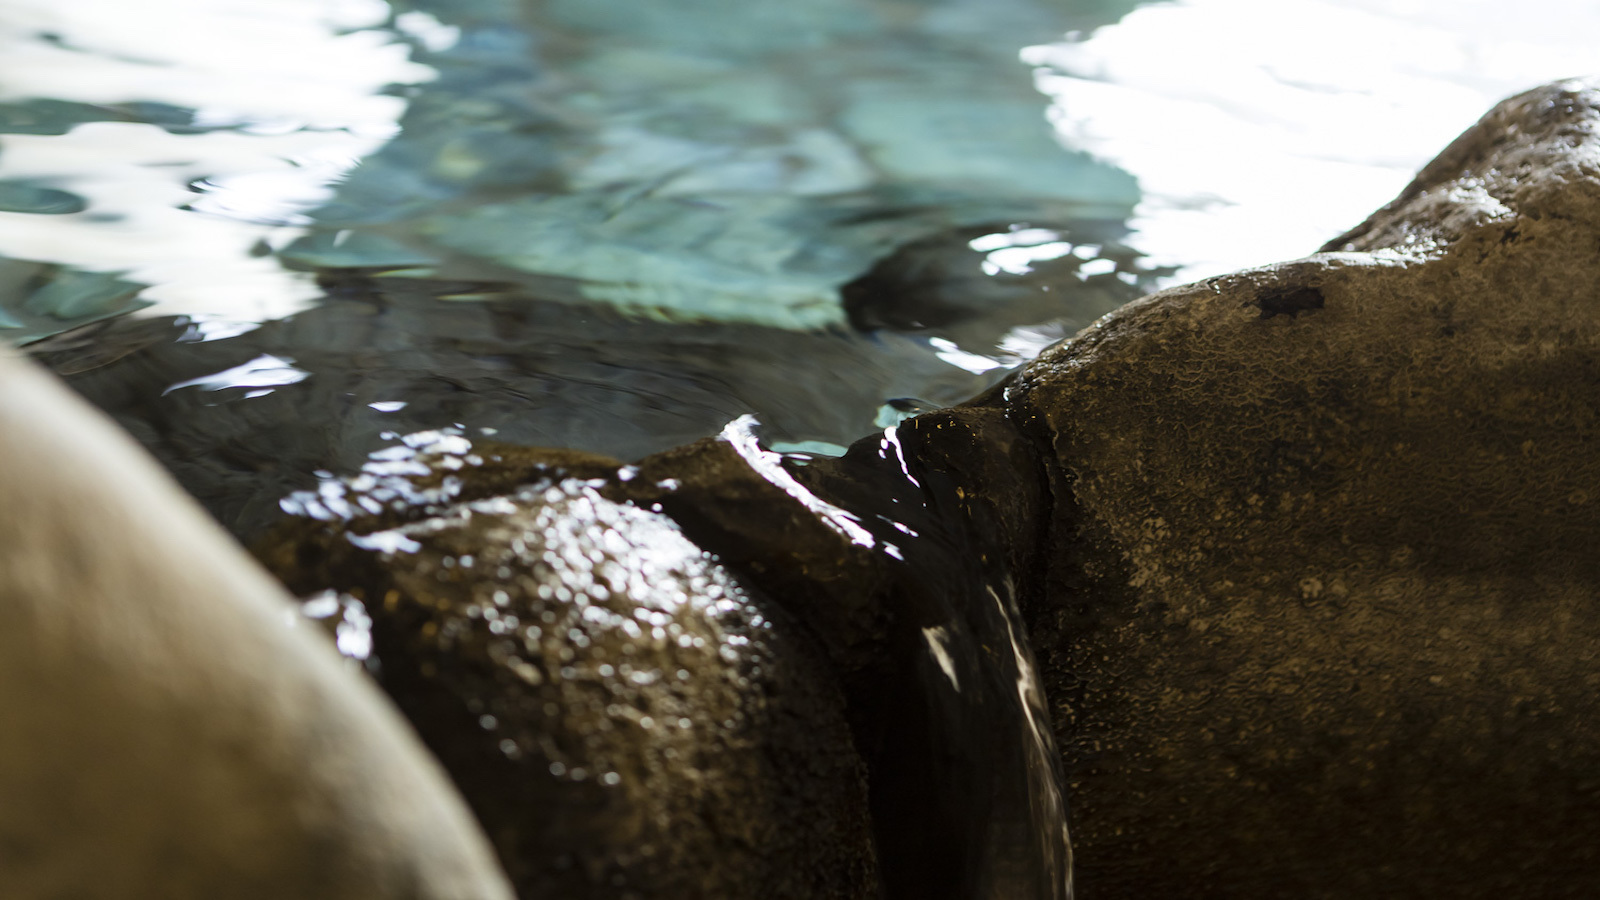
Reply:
x=1259 y=129
x=285 y=97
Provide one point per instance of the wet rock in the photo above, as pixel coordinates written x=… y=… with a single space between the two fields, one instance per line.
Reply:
x=626 y=716
x=907 y=579
x=838 y=704
x=1320 y=618
x=167 y=732
x=259 y=412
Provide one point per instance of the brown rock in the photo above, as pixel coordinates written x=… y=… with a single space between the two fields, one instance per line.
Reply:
x=1321 y=617
x=626 y=716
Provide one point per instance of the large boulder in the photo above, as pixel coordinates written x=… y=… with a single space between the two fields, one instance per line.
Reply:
x=1320 y=614
x=1305 y=552
x=169 y=731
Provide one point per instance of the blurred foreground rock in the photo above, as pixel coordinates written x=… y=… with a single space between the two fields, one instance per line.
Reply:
x=167 y=730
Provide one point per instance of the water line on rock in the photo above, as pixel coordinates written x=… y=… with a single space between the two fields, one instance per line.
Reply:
x=740 y=434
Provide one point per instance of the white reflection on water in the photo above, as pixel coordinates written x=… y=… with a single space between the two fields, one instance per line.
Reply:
x=741 y=435
x=1259 y=129
x=297 y=82
x=263 y=373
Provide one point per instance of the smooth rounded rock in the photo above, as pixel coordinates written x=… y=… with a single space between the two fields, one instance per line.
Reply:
x=169 y=731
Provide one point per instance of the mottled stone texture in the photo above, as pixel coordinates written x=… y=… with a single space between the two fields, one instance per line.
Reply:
x=1321 y=616
x=167 y=732
x=626 y=716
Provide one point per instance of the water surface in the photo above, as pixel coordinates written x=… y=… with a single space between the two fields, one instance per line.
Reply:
x=572 y=224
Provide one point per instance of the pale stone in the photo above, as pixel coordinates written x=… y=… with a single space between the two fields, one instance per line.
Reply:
x=169 y=730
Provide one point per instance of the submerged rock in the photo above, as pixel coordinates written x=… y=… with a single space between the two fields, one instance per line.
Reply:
x=1320 y=609
x=243 y=420
x=167 y=732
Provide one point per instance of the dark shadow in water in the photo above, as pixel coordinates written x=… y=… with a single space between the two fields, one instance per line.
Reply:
x=244 y=420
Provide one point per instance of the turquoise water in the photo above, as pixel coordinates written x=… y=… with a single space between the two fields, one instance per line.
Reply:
x=570 y=224
x=718 y=162
x=703 y=162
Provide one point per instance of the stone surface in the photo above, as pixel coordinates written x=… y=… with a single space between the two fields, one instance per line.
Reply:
x=907 y=578
x=168 y=732
x=626 y=716
x=1320 y=619
x=390 y=355
x=838 y=704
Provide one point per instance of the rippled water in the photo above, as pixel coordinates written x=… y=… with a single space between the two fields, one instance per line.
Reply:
x=934 y=190
x=568 y=223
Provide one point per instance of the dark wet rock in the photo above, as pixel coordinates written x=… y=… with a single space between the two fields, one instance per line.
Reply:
x=168 y=733
x=847 y=627
x=903 y=576
x=626 y=716
x=971 y=285
x=1320 y=618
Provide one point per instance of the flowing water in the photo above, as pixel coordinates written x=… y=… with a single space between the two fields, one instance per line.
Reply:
x=274 y=238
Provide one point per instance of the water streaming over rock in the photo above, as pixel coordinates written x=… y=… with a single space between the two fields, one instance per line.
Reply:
x=478 y=580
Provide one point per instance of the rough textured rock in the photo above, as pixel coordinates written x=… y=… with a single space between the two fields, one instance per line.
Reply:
x=907 y=578
x=626 y=716
x=852 y=714
x=1321 y=619
x=167 y=732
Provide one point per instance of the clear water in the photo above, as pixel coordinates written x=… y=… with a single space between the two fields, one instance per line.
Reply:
x=709 y=160
x=573 y=224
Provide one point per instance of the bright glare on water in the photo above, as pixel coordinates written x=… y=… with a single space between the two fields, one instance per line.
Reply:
x=184 y=145
x=273 y=103
x=1259 y=129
